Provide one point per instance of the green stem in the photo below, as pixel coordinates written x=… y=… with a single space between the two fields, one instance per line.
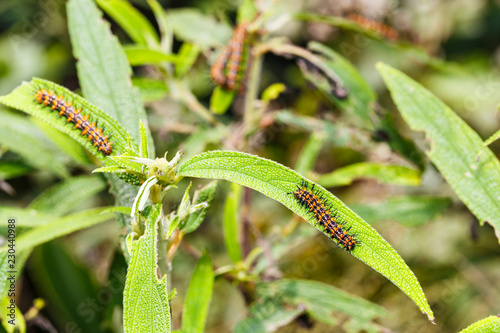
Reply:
x=163 y=265
x=162 y=247
x=250 y=113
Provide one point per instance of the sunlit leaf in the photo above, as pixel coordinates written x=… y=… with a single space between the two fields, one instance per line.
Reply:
x=145 y=298
x=231 y=223
x=490 y=324
x=60 y=227
x=198 y=296
x=131 y=20
x=454 y=146
x=278 y=182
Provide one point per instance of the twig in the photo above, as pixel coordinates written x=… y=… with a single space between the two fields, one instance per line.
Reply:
x=181 y=93
x=252 y=90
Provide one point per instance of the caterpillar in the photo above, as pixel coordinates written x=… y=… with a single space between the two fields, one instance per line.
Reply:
x=229 y=70
x=316 y=205
x=375 y=26
x=74 y=115
x=236 y=47
x=217 y=70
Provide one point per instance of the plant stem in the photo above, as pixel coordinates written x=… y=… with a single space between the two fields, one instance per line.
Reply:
x=252 y=91
x=181 y=92
x=163 y=265
x=247 y=225
x=281 y=47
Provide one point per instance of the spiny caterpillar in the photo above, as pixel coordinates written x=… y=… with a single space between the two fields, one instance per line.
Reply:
x=66 y=109
x=236 y=47
x=316 y=204
x=229 y=70
x=217 y=70
x=375 y=26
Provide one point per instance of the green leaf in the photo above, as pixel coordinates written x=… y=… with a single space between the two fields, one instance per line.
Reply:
x=310 y=152
x=273 y=91
x=490 y=324
x=22 y=98
x=104 y=75
x=19 y=323
x=131 y=20
x=409 y=211
x=150 y=89
x=138 y=55
x=221 y=100
x=454 y=146
x=143 y=195
x=59 y=291
x=10 y=170
x=360 y=96
x=186 y=57
x=321 y=301
x=143 y=149
x=110 y=169
x=386 y=174
x=205 y=194
x=389 y=131
x=61 y=227
x=127 y=161
x=165 y=27
x=72 y=148
x=231 y=223
x=246 y=11
x=117 y=273
x=25 y=217
x=174 y=223
x=119 y=209
x=185 y=204
x=130 y=179
x=145 y=301
x=20 y=135
x=195 y=27
x=267 y=316
x=278 y=182
x=6 y=268
x=55 y=199
x=103 y=69
x=198 y=296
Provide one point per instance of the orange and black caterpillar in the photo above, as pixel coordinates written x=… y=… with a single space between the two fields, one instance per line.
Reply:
x=217 y=70
x=378 y=27
x=316 y=204
x=236 y=47
x=66 y=109
x=227 y=69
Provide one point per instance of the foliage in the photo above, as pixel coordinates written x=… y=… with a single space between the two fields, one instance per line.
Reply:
x=325 y=112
